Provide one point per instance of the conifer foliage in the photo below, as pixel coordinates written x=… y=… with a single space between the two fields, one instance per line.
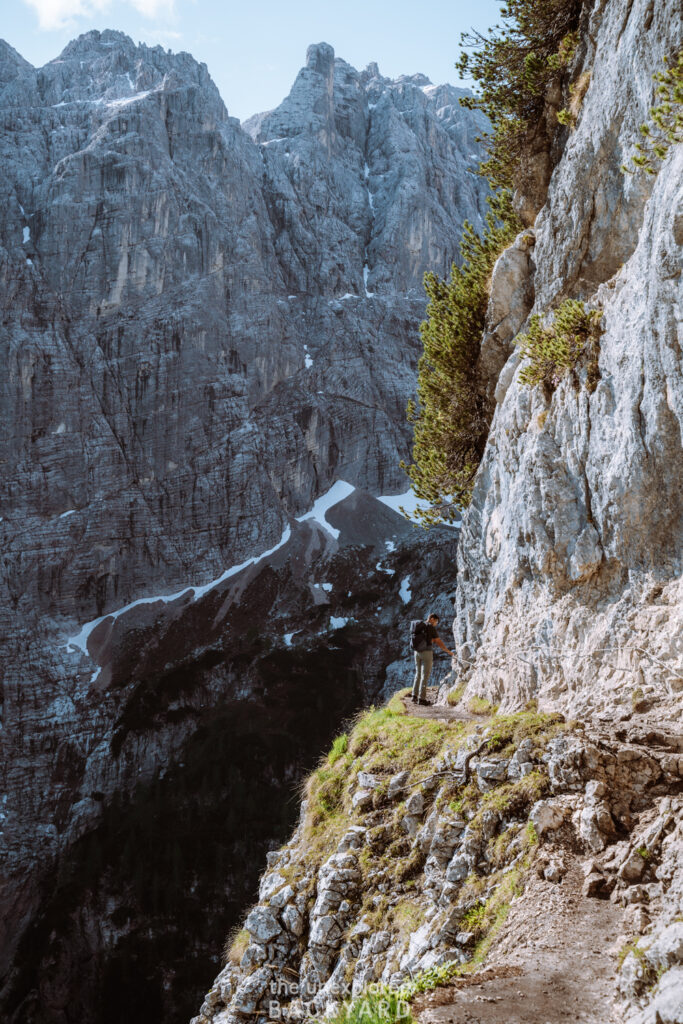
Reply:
x=451 y=417
x=514 y=66
x=665 y=127
x=553 y=349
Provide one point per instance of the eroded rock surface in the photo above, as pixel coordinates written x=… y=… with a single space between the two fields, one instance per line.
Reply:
x=570 y=561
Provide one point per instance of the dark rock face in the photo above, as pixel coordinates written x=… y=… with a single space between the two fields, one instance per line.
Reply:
x=203 y=327
x=202 y=331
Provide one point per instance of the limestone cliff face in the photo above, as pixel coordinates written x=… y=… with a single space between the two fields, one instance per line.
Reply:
x=571 y=556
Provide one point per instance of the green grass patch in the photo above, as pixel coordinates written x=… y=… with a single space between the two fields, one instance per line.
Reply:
x=376 y=1005
x=530 y=835
x=639 y=954
x=506 y=732
x=406 y=917
x=481 y=706
x=512 y=797
x=498 y=846
x=390 y=741
x=383 y=741
x=486 y=921
x=339 y=747
x=455 y=695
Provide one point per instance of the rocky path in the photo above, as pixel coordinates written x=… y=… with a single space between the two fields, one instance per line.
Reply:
x=439 y=713
x=551 y=968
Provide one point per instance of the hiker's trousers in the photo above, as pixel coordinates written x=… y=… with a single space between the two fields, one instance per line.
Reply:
x=423 y=670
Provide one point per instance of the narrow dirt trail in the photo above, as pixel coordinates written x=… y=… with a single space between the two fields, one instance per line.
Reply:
x=554 y=960
x=441 y=712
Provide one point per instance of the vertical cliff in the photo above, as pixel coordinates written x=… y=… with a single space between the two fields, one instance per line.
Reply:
x=571 y=555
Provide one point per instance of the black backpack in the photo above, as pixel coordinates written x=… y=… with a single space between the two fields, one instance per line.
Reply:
x=419 y=635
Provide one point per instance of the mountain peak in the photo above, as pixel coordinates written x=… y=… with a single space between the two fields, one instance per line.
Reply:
x=320 y=58
x=8 y=55
x=96 y=41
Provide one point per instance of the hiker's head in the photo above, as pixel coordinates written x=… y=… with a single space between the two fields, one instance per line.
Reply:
x=432 y=618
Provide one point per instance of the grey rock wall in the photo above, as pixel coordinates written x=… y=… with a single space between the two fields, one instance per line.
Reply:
x=571 y=552
x=203 y=330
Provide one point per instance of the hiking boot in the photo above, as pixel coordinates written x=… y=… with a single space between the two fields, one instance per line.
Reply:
x=414 y=700
x=424 y=703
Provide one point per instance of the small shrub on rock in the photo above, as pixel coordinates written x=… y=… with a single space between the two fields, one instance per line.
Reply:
x=558 y=347
x=665 y=127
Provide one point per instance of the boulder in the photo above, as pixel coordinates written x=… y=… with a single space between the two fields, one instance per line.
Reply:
x=595 y=886
x=282 y=897
x=667 y=948
x=555 y=870
x=632 y=977
x=262 y=924
x=668 y=1001
x=353 y=839
x=547 y=815
x=633 y=868
x=362 y=800
x=368 y=781
x=270 y=883
x=415 y=804
x=596 y=825
x=489 y=773
x=326 y=931
x=411 y=824
x=293 y=920
x=445 y=839
x=397 y=784
x=250 y=991
x=253 y=956
x=458 y=869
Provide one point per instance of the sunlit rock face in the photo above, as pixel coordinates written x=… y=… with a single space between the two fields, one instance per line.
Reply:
x=205 y=325
x=571 y=554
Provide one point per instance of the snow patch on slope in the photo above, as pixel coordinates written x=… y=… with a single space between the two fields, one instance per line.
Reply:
x=337 y=492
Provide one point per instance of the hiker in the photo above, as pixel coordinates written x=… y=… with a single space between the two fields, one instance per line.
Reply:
x=422 y=636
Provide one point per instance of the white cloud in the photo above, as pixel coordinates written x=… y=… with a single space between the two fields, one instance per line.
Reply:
x=55 y=14
x=58 y=13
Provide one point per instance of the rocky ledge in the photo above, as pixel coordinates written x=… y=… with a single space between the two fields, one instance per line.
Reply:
x=431 y=843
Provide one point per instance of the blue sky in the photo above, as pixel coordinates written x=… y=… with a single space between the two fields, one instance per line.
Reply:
x=254 y=48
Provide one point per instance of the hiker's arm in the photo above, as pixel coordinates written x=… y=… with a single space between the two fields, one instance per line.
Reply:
x=441 y=644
